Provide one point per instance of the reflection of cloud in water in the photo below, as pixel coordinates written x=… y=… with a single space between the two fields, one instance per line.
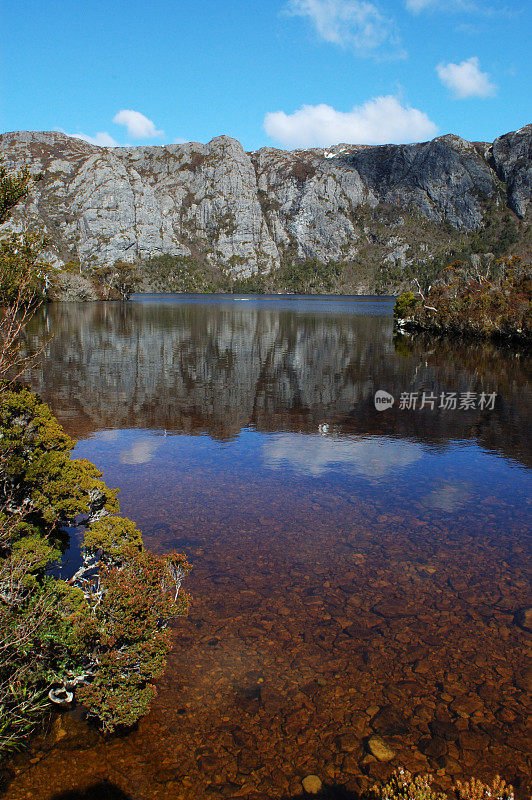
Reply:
x=110 y=435
x=140 y=451
x=314 y=455
x=447 y=498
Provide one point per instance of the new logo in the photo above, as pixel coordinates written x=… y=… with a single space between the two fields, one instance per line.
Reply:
x=383 y=400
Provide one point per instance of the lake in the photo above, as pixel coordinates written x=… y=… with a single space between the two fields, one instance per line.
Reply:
x=356 y=571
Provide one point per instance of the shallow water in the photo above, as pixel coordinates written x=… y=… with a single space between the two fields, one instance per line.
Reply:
x=355 y=571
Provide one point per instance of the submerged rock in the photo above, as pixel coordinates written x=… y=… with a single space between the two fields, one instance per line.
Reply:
x=312 y=784
x=523 y=618
x=380 y=749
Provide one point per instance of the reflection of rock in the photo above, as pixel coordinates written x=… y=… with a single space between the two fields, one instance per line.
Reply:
x=217 y=367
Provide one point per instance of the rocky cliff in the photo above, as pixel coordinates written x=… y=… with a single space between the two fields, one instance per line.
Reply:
x=244 y=213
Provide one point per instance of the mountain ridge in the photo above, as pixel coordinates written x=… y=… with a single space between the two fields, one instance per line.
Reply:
x=376 y=211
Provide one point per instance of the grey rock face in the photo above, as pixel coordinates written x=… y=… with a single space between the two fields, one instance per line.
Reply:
x=442 y=179
x=512 y=156
x=220 y=205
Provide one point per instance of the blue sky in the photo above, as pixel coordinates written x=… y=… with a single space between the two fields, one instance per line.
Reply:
x=292 y=73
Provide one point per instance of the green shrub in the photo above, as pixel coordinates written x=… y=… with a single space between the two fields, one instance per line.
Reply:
x=308 y=276
x=13 y=187
x=168 y=273
x=22 y=265
x=402 y=785
x=405 y=305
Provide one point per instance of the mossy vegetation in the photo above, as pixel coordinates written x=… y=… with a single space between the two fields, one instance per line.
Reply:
x=13 y=187
x=169 y=273
x=405 y=304
x=433 y=247
x=116 y=281
x=293 y=277
x=20 y=254
x=21 y=263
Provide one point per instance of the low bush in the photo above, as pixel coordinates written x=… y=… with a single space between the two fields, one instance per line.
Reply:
x=402 y=785
x=496 y=302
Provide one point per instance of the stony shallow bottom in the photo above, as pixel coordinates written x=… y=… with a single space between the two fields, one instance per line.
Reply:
x=359 y=576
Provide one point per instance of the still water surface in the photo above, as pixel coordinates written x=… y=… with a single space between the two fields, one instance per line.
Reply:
x=355 y=572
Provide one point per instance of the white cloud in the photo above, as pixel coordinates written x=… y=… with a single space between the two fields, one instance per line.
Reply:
x=466 y=79
x=481 y=8
x=349 y=23
x=138 y=126
x=416 y=6
x=378 y=121
x=315 y=455
x=102 y=139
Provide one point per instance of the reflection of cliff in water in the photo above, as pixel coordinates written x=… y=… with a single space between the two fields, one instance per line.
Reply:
x=218 y=367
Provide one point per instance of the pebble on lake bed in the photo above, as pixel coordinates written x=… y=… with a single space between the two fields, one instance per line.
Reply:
x=312 y=784
x=378 y=748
